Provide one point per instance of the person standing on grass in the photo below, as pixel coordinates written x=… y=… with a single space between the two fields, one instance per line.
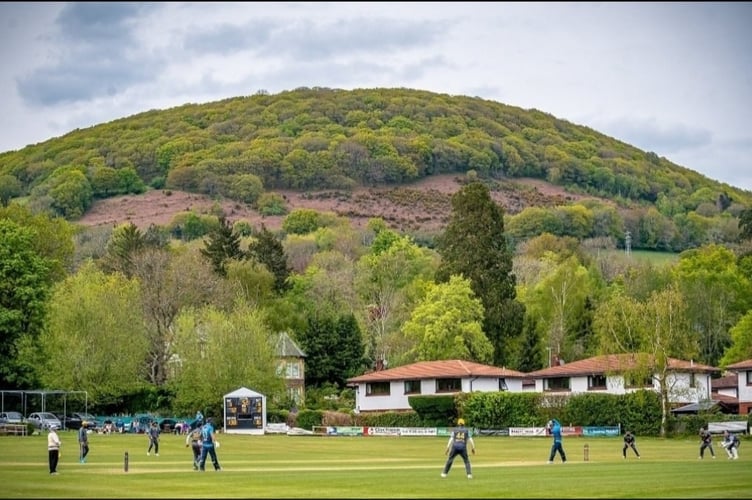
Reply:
x=629 y=442
x=193 y=439
x=83 y=442
x=731 y=445
x=555 y=428
x=53 y=449
x=706 y=441
x=460 y=439
x=209 y=444
x=153 y=434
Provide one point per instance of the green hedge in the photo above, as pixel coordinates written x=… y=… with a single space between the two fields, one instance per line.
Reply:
x=639 y=411
x=389 y=419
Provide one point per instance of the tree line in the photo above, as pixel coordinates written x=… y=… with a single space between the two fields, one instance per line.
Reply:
x=142 y=320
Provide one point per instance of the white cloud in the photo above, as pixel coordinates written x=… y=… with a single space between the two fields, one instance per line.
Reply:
x=675 y=79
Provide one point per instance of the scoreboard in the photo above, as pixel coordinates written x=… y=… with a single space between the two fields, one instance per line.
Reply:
x=244 y=412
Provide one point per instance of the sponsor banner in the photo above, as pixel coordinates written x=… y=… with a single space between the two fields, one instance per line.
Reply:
x=418 y=431
x=491 y=432
x=601 y=431
x=735 y=427
x=571 y=430
x=349 y=431
x=381 y=431
x=275 y=428
x=528 y=431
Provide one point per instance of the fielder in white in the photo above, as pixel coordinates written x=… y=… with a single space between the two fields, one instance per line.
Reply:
x=731 y=445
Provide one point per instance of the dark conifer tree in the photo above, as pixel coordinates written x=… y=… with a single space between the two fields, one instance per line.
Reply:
x=268 y=250
x=474 y=245
x=221 y=245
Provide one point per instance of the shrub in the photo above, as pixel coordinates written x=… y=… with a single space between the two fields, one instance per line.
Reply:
x=308 y=419
x=389 y=419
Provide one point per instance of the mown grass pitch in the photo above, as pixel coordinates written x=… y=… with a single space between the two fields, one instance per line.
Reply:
x=280 y=466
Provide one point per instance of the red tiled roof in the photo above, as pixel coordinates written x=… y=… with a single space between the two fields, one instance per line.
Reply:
x=741 y=365
x=726 y=382
x=607 y=363
x=723 y=398
x=437 y=369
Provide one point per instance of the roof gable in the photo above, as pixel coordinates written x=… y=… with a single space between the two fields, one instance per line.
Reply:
x=454 y=368
x=287 y=348
x=611 y=363
x=741 y=365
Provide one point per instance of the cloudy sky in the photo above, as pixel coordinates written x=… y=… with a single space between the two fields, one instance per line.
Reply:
x=672 y=78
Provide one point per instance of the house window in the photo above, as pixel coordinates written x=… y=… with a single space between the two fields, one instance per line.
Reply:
x=596 y=382
x=632 y=380
x=448 y=385
x=692 y=380
x=293 y=370
x=378 y=389
x=749 y=377
x=296 y=394
x=503 y=385
x=557 y=384
x=412 y=386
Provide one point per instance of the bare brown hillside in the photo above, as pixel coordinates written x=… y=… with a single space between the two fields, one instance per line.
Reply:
x=423 y=206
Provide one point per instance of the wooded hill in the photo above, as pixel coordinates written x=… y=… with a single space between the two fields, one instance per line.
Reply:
x=321 y=139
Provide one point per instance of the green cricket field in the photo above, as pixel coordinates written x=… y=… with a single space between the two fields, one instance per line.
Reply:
x=281 y=466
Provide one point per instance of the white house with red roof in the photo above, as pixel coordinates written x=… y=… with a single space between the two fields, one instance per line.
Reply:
x=688 y=381
x=389 y=390
x=743 y=370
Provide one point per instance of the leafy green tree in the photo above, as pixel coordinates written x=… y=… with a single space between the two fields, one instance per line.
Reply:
x=129 y=182
x=69 y=191
x=25 y=282
x=52 y=237
x=268 y=250
x=473 y=245
x=94 y=339
x=218 y=351
x=745 y=224
x=386 y=284
x=447 y=324
x=271 y=204
x=741 y=342
x=717 y=294
x=301 y=221
x=558 y=301
x=10 y=187
x=166 y=288
x=244 y=187
x=253 y=281
x=221 y=245
x=653 y=332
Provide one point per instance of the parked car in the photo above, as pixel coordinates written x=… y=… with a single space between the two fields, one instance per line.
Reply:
x=42 y=420
x=11 y=417
x=75 y=421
